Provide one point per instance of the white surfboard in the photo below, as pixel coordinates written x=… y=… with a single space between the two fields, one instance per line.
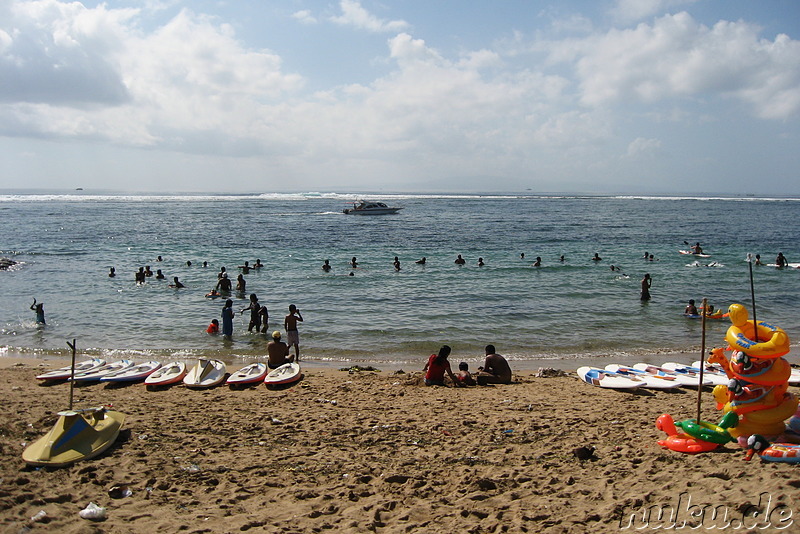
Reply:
x=607 y=379
x=685 y=377
x=249 y=374
x=97 y=374
x=652 y=381
x=132 y=374
x=690 y=253
x=205 y=374
x=80 y=367
x=714 y=376
x=170 y=373
x=285 y=374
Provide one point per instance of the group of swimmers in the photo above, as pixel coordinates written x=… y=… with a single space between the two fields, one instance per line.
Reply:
x=495 y=369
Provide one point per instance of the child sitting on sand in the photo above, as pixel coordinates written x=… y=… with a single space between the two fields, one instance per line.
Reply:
x=213 y=328
x=463 y=375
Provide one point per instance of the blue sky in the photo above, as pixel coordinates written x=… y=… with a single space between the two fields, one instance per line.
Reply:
x=618 y=96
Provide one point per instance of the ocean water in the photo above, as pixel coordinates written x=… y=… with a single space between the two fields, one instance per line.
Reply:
x=571 y=310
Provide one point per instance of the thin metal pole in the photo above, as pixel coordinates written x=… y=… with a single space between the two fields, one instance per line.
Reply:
x=72 y=372
x=753 y=298
x=702 y=356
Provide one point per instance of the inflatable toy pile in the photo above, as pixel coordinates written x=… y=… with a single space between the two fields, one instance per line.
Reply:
x=757 y=391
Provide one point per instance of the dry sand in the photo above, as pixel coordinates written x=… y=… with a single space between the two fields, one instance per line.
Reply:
x=378 y=452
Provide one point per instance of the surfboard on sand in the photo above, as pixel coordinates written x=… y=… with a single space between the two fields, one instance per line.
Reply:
x=249 y=374
x=205 y=374
x=685 y=377
x=132 y=374
x=285 y=374
x=100 y=372
x=170 y=373
x=65 y=372
x=715 y=377
x=653 y=381
x=606 y=379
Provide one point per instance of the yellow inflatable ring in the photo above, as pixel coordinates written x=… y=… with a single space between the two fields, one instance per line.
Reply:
x=762 y=371
x=743 y=333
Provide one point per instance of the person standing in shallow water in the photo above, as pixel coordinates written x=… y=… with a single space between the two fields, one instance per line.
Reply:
x=39 y=309
x=646 y=283
x=290 y=325
x=227 y=319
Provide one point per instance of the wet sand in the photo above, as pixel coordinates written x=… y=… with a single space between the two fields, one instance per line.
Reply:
x=379 y=452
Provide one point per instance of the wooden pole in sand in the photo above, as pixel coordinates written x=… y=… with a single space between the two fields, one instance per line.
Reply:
x=72 y=372
x=753 y=297
x=702 y=356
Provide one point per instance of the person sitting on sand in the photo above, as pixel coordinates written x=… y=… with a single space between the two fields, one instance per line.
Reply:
x=39 y=309
x=495 y=369
x=278 y=352
x=464 y=375
x=213 y=328
x=437 y=366
x=691 y=309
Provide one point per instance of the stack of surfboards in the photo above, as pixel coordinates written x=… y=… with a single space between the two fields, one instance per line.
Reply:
x=135 y=373
x=96 y=374
x=667 y=376
x=65 y=372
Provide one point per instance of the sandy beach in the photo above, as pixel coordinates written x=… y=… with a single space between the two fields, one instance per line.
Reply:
x=379 y=452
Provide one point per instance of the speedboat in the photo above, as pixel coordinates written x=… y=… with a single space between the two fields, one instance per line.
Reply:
x=370 y=208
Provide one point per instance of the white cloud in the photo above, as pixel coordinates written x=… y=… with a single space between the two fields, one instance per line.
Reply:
x=626 y=11
x=642 y=147
x=353 y=14
x=678 y=57
x=304 y=16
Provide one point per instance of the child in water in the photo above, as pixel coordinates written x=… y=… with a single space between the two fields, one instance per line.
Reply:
x=213 y=328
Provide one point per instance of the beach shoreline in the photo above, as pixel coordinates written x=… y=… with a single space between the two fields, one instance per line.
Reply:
x=378 y=452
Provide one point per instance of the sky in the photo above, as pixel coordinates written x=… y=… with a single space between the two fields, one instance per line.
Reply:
x=252 y=96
